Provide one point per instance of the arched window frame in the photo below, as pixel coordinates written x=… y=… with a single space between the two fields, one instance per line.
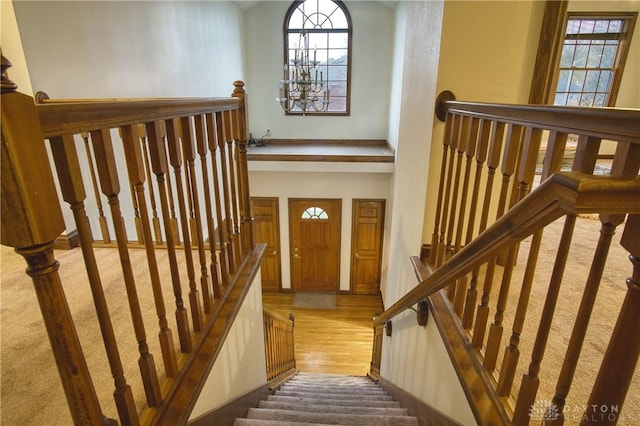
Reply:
x=288 y=52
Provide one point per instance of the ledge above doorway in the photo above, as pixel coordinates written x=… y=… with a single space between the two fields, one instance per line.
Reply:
x=327 y=155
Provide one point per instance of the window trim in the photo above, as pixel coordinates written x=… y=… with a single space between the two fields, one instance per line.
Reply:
x=285 y=44
x=629 y=17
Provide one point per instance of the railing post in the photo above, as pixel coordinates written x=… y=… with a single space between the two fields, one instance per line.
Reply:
x=621 y=357
x=31 y=221
x=243 y=126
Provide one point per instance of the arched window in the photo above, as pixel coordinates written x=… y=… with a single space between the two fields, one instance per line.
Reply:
x=317 y=41
x=314 y=213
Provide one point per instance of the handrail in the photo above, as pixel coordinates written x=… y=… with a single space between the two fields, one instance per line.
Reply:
x=60 y=117
x=615 y=123
x=562 y=193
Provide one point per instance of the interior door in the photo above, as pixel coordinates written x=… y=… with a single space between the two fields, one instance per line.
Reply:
x=366 y=246
x=315 y=245
x=266 y=230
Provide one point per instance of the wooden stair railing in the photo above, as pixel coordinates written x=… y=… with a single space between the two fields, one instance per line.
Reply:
x=188 y=157
x=479 y=225
x=279 y=345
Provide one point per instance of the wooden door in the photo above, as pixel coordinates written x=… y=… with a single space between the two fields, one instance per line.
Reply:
x=366 y=246
x=266 y=230
x=315 y=245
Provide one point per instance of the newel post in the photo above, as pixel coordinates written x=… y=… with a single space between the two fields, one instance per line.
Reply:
x=619 y=363
x=31 y=221
x=243 y=130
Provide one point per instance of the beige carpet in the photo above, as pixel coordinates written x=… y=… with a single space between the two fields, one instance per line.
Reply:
x=314 y=301
x=610 y=296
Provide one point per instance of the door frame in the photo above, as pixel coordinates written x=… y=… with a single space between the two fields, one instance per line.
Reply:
x=338 y=237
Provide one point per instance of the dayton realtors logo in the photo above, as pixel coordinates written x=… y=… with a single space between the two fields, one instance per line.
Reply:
x=545 y=410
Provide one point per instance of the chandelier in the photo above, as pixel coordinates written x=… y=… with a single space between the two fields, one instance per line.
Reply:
x=304 y=88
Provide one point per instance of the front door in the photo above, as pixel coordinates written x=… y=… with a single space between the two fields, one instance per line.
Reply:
x=315 y=245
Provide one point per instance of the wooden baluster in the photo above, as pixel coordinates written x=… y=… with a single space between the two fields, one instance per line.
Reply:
x=175 y=157
x=511 y=150
x=189 y=150
x=201 y=143
x=31 y=222
x=376 y=359
x=73 y=191
x=214 y=128
x=455 y=133
x=433 y=253
x=102 y=220
x=621 y=357
x=136 y=168
x=585 y=161
x=107 y=172
x=226 y=223
x=526 y=172
x=470 y=151
x=484 y=133
x=232 y=208
x=159 y=165
x=142 y=134
x=242 y=120
x=531 y=380
x=173 y=221
x=552 y=163
x=450 y=247
x=192 y=211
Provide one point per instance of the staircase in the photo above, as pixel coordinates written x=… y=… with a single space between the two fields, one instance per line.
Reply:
x=321 y=399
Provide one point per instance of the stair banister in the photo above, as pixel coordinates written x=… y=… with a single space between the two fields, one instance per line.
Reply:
x=31 y=222
x=568 y=192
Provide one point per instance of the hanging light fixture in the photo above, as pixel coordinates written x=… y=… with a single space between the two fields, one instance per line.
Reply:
x=304 y=87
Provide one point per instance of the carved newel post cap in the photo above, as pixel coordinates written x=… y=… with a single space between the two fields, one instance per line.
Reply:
x=239 y=86
x=7 y=84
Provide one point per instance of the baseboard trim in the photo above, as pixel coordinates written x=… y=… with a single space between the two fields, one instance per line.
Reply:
x=238 y=408
x=68 y=240
x=426 y=414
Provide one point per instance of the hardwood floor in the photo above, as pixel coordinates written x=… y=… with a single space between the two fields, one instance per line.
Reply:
x=331 y=341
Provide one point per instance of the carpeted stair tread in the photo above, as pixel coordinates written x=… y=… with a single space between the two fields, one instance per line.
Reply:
x=278 y=405
x=327 y=399
x=260 y=422
x=339 y=402
x=334 y=389
x=322 y=395
x=331 y=418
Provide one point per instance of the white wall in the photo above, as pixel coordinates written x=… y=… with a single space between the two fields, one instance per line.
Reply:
x=323 y=184
x=240 y=367
x=370 y=76
x=100 y=49
x=414 y=358
x=132 y=49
